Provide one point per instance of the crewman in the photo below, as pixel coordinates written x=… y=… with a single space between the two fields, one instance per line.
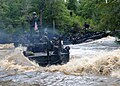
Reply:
x=86 y=26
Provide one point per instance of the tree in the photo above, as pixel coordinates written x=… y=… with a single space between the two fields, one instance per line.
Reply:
x=110 y=16
x=98 y=13
x=73 y=5
x=13 y=14
x=56 y=11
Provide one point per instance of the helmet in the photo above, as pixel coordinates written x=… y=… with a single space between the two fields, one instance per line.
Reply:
x=34 y=13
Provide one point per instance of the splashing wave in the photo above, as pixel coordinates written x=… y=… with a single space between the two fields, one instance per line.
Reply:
x=107 y=63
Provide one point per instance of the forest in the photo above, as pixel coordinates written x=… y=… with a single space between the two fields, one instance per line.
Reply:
x=65 y=14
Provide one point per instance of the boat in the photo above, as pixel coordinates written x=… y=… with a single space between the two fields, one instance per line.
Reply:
x=87 y=37
x=48 y=52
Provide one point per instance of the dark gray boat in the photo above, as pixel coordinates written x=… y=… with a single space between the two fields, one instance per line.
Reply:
x=48 y=52
x=43 y=48
x=87 y=37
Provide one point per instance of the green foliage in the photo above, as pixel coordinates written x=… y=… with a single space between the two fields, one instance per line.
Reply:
x=13 y=14
x=57 y=11
x=100 y=15
x=73 y=5
x=110 y=16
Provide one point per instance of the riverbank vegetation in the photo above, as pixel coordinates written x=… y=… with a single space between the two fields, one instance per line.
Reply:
x=65 y=14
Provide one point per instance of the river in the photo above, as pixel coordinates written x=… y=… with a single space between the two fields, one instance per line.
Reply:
x=95 y=63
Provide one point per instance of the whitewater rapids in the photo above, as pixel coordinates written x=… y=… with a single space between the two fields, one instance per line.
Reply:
x=100 y=57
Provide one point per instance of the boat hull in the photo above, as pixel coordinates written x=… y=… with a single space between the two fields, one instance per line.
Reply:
x=53 y=59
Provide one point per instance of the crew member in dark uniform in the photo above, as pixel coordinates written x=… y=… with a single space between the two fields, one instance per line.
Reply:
x=86 y=26
x=35 y=22
x=34 y=27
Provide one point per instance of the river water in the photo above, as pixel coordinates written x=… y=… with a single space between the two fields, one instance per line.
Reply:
x=95 y=63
